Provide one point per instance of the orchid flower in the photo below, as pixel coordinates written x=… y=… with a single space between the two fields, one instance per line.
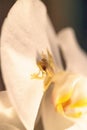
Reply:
x=27 y=32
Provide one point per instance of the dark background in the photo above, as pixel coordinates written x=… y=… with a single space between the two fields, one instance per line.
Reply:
x=63 y=13
x=71 y=13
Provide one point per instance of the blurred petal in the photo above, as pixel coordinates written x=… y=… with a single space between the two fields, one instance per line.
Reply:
x=23 y=36
x=8 y=117
x=75 y=57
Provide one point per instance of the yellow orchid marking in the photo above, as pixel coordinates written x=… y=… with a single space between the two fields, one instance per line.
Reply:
x=75 y=115
x=80 y=103
x=63 y=101
x=47 y=72
x=60 y=109
x=64 y=98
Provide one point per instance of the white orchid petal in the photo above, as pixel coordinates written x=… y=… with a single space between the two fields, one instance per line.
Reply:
x=52 y=120
x=76 y=59
x=23 y=36
x=8 y=117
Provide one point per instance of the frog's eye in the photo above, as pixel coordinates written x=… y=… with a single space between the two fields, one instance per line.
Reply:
x=42 y=64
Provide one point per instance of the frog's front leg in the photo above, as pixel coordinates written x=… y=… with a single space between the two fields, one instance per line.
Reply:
x=39 y=75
